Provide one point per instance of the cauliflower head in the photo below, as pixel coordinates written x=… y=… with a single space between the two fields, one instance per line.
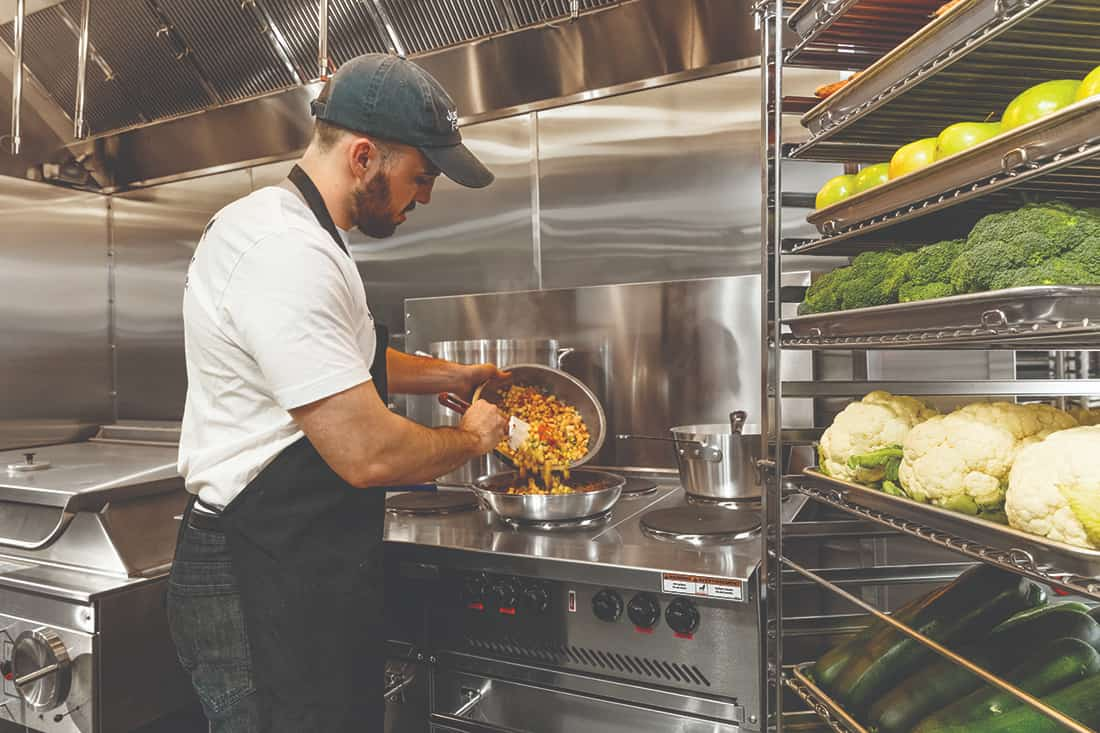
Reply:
x=1054 y=487
x=880 y=420
x=961 y=461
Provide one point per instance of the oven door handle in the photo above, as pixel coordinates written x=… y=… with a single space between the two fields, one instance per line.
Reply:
x=465 y=725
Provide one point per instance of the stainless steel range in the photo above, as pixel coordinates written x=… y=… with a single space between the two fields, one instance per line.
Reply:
x=648 y=622
x=86 y=540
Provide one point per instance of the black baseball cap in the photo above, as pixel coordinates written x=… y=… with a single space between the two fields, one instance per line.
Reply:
x=395 y=99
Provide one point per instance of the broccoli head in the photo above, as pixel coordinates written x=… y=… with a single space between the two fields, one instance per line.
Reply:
x=911 y=292
x=1017 y=239
x=871 y=280
x=932 y=261
x=823 y=295
x=1057 y=271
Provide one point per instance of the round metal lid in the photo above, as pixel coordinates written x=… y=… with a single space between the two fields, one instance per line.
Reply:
x=700 y=524
x=636 y=486
x=431 y=502
x=595 y=520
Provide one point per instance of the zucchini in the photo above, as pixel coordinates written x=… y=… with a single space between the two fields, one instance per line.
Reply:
x=939 y=683
x=979 y=602
x=1080 y=701
x=942 y=681
x=1058 y=665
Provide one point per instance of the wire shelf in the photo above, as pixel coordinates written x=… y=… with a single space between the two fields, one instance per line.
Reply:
x=967 y=64
x=875 y=26
x=830 y=713
x=1013 y=560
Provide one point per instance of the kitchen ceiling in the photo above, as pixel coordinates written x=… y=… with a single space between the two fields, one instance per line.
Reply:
x=152 y=60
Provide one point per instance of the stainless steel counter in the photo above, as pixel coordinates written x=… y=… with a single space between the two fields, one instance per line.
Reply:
x=618 y=553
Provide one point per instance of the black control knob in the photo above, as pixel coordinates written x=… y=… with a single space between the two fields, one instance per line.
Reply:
x=607 y=605
x=503 y=593
x=474 y=588
x=535 y=599
x=644 y=610
x=682 y=616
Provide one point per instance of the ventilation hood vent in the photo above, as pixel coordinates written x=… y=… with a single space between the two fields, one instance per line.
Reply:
x=152 y=60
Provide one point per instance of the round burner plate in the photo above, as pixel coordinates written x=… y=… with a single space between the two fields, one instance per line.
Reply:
x=737 y=504
x=639 y=486
x=431 y=502
x=566 y=524
x=699 y=525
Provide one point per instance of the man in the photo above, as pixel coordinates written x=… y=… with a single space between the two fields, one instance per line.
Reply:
x=275 y=598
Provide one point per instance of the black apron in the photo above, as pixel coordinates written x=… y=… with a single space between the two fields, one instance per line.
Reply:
x=307 y=551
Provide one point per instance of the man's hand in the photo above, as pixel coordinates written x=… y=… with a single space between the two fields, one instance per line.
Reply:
x=473 y=376
x=487 y=423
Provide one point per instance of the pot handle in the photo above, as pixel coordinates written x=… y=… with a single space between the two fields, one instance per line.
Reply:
x=697 y=449
x=564 y=352
x=454 y=402
x=737 y=421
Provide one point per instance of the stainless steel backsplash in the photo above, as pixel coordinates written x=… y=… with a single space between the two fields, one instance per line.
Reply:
x=55 y=359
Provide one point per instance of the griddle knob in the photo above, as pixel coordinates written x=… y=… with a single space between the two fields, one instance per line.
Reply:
x=682 y=616
x=503 y=594
x=607 y=605
x=644 y=610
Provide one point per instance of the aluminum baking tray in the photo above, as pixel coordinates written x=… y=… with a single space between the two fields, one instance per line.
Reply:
x=1066 y=314
x=875 y=25
x=965 y=65
x=1065 y=138
x=798 y=679
x=1031 y=550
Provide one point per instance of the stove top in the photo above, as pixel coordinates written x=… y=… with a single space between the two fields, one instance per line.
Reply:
x=618 y=549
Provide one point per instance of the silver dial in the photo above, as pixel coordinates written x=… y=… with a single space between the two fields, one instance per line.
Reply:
x=41 y=667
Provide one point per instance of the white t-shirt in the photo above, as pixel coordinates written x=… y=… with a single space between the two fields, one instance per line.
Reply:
x=275 y=317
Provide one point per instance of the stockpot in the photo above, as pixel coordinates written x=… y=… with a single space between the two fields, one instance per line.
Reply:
x=717 y=461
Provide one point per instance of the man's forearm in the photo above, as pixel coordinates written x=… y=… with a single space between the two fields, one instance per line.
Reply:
x=421 y=454
x=411 y=374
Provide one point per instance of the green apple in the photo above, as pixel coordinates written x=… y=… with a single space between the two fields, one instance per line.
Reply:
x=912 y=157
x=835 y=189
x=1039 y=101
x=1090 y=87
x=871 y=176
x=962 y=135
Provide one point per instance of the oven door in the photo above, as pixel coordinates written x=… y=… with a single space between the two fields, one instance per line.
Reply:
x=467 y=703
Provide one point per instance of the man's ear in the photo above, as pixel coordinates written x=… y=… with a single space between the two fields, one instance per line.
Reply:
x=363 y=158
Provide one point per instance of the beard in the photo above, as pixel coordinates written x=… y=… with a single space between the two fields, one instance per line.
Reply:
x=373 y=208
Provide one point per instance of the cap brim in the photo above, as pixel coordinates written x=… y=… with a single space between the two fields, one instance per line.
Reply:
x=460 y=165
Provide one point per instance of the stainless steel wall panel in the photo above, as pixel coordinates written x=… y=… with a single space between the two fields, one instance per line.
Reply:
x=656 y=185
x=55 y=363
x=154 y=233
x=656 y=354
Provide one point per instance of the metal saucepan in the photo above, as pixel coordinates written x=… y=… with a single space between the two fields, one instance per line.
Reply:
x=530 y=508
x=566 y=388
x=716 y=460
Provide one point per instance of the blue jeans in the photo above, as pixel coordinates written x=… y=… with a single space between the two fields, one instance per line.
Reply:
x=204 y=616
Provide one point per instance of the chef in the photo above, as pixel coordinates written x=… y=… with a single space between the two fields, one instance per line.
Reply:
x=275 y=598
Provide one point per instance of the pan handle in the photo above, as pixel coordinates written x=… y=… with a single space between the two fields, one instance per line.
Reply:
x=631 y=436
x=454 y=402
x=697 y=449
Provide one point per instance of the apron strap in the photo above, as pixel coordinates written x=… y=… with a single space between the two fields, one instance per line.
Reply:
x=316 y=204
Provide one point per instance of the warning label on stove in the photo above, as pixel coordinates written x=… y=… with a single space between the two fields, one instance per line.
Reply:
x=722 y=589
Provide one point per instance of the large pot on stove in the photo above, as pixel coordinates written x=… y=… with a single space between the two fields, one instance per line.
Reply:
x=502 y=352
x=717 y=461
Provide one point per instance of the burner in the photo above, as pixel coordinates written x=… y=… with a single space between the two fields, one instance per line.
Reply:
x=700 y=525
x=596 y=520
x=431 y=502
x=639 y=486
